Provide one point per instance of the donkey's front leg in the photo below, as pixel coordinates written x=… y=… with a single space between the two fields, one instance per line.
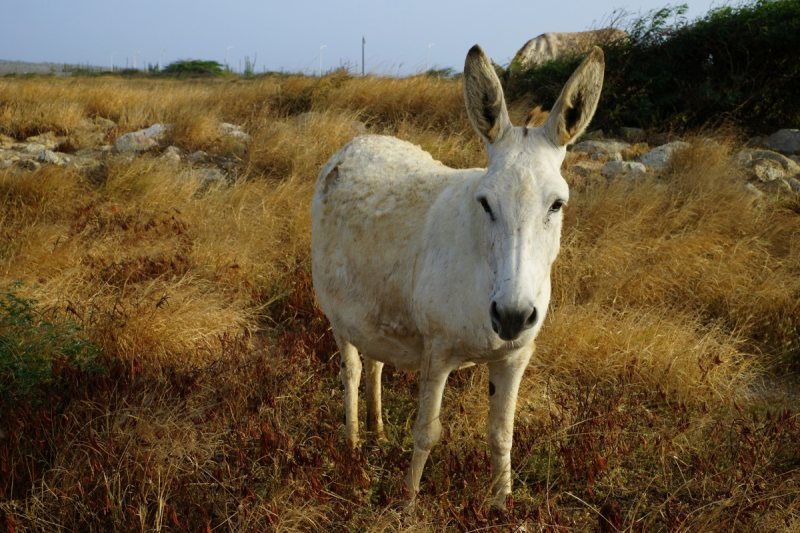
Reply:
x=427 y=428
x=504 y=379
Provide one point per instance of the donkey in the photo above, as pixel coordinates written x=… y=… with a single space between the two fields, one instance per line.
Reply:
x=432 y=269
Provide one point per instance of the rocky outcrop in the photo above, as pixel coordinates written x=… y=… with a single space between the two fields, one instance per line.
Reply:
x=657 y=158
x=623 y=169
x=549 y=46
x=784 y=141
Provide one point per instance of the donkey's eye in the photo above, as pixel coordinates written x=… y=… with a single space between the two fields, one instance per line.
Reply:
x=486 y=207
x=557 y=205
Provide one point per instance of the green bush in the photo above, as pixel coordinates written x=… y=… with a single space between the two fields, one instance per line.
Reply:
x=31 y=342
x=735 y=63
x=196 y=68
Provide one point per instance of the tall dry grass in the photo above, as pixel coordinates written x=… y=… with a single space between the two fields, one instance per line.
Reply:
x=221 y=407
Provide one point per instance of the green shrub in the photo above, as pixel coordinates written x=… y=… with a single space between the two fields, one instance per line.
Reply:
x=196 y=68
x=735 y=63
x=32 y=341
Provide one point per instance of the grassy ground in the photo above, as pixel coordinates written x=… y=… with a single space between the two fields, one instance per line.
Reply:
x=660 y=397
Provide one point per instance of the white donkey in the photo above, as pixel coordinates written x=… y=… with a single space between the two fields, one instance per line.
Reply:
x=430 y=268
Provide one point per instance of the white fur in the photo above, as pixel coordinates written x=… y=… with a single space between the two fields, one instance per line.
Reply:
x=406 y=263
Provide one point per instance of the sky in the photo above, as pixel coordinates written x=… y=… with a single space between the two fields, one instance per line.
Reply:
x=288 y=35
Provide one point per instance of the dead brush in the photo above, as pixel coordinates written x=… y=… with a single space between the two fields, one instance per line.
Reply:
x=221 y=404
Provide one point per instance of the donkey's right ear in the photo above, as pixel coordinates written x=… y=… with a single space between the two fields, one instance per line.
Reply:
x=486 y=106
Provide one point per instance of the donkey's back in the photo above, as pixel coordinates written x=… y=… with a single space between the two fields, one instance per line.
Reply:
x=370 y=210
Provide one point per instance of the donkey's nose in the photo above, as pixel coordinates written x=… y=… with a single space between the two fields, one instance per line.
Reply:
x=510 y=322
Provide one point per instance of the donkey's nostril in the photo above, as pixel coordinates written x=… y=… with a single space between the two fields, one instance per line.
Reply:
x=494 y=313
x=531 y=320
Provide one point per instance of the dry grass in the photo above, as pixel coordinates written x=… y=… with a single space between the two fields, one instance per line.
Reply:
x=674 y=299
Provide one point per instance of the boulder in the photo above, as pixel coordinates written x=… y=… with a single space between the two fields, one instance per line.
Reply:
x=747 y=158
x=104 y=123
x=777 y=186
x=48 y=156
x=141 y=140
x=784 y=141
x=34 y=148
x=232 y=130
x=623 y=169
x=601 y=147
x=172 y=154
x=632 y=134
x=765 y=170
x=199 y=157
x=751 y=189
x=794 y=184
x=657 y=158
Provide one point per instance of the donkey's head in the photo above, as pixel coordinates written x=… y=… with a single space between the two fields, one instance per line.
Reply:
x=522 y=194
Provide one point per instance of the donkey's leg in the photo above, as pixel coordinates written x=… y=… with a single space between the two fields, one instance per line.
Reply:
x=351 y=376
x=427 y=428
x=504 y=379
x=374 y=419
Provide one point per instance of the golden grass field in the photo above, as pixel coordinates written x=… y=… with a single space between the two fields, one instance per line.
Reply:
x=662 y=395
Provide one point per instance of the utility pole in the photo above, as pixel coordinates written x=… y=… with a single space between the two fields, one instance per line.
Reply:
x=112 y=62
x=227 y=64
x=320 y=58
x=428 y=64
x=363 y=44
x=159 y=58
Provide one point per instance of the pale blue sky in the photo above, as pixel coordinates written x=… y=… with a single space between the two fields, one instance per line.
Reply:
x=288 y=35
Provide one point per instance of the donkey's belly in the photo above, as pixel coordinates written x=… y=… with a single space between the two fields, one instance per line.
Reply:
x=403 y=353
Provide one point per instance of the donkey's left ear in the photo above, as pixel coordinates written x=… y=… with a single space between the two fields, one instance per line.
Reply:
x=578 y=101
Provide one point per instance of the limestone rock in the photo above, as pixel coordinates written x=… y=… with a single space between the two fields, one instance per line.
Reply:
x=623 y=169
x=48 y=156
x=747 y=158
x=141 y=140
x=172 y=154
x=777 y=186
x=794 y=184
x=750 y=188
x=232 y=130
x=657 y=158
x=767 y=170
x=34 y=148
x=199 y=157
x=601 y=147
x=784 y=141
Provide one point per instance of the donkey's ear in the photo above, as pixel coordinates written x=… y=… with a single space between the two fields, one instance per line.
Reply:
x=486 y=106
x=578 y=101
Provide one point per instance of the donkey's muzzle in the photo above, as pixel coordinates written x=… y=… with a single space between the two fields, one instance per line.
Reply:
x=509 y=323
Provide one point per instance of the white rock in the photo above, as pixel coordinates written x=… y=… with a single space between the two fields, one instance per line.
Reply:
x=601 y=147
x=141 y=140
x=172 y=154
x=232 y=130
x=784 y=141
x=767 y=170
x=623 y=169
x=134 y=142
x=34 y=148
x=748 y=157
x=615 y=156
x=6 y=164
x=657 y=157
x=48 y=156
x=749 y=187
